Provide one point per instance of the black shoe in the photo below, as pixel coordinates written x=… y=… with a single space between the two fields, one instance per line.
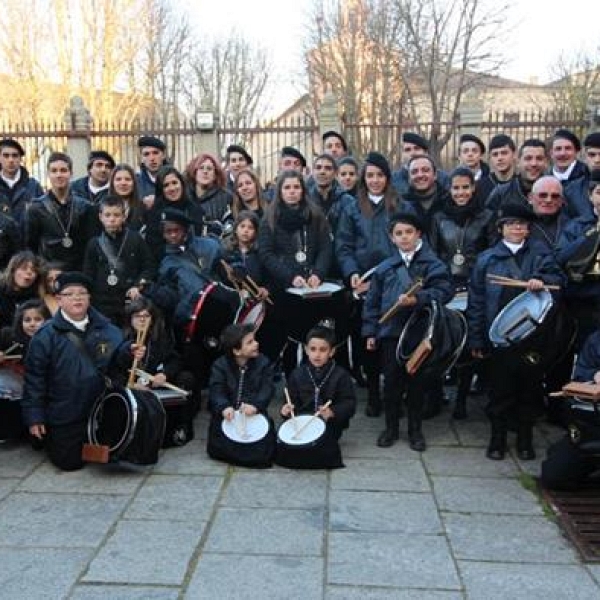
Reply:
x=525 y=449
x=416 y=441
x=387 y=438
x=526 y=453
x=495 y=453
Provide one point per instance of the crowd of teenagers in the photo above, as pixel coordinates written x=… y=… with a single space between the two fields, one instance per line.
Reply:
x=236 y=286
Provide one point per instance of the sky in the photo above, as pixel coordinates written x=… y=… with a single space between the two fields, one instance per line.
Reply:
x=542 y=29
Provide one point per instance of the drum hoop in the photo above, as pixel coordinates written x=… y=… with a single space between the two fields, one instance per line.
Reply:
x=461 y=346
x=247 y=308
x=314 y=293
x=300 y=421
x=193 y=323
x=258 y=417
x=432 y=309
x=131 y=406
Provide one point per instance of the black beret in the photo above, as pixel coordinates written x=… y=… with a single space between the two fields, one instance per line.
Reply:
x=501 y=140
x=173 y=215
x=10 y=143
x=340 y=137
x=414 y=138
x=290 y=151
x=592 y=140
x=68 y=278
x=240 y=150
x=150 y=141
x=101 y=155
x=380 y=161
x=347 y=160
x=405 y=217
x=469 y=137
x=514 y=210
x=565 y=134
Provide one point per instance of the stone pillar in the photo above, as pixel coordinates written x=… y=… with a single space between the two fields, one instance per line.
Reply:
x=593 y=110
x=471 y=113
x=78 y=123
x=329 y=118
x=206 y=138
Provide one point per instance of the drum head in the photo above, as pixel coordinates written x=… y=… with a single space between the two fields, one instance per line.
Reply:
x=11 y=385
x=459 y=302
x=415 y=331
x=113 y=420
x=520 y=318
x=327 y=288
x=312 y=429
x=254 y=314
x=245 y=430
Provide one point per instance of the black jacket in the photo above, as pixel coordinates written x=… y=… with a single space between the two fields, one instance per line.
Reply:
x=80 y=187
x=14 y=201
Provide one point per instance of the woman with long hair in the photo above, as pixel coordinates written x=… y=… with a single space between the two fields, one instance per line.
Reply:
x=123 y=184
x=247 y=194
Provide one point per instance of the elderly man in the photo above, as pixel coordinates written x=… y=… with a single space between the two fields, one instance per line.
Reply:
x=546 y=199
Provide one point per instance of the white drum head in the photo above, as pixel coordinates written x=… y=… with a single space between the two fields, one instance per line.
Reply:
x=459 y=302
x=326 y=288
x=298 y=431
x=11 y=385
x=254 y=315
x=245 y=430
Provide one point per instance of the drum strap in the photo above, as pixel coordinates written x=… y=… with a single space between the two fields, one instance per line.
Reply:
x=404 y=277
x=318 y=387
x=80 y=345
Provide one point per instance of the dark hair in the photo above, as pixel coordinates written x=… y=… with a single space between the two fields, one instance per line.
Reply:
x=60 y=156
x=272 y=210
x=532 y=143
x=321 y=332
x=32 y=304
x=237 y=204
x=462 y=172
x=325 y=156
x=390 y=196
x=233 y=336
x=420 y=157
x=158 y=329
x=162 y=174
x=111 y=201
x=232 y=242
x=348 y=160
x=135 y=198
x=18 y=260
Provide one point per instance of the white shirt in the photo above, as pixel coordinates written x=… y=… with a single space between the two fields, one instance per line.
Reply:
x=11 y=182
x=565 y=174
x=375 y=199
x=81 y=325
x=408 y=256
x=514 y=248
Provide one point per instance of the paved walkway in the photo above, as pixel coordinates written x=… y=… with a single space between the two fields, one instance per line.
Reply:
x=393 y=524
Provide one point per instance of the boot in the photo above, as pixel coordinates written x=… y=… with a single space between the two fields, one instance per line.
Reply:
x=373 y=408
x=416 y=441
x=496 y=449
x=391 y=433
x=462 y=391
x=525 y=449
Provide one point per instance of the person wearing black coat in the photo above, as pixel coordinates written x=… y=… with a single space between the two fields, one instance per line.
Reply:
x=59 y=224
x=94 y=186
x=118 y=262
x=10 y=239
x=154 y=156
x=61 y=380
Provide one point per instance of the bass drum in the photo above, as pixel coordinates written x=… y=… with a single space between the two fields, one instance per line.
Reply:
x=533 y=329
x=131 y=423
x=445 y=332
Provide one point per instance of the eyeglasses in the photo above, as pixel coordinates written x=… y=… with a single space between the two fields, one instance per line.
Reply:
x=546 y=195
x=142 y=316
x=515 y=223
x=206 y=168
x=74 y=295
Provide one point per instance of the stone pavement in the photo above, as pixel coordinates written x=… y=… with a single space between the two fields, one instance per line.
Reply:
x=394 y=524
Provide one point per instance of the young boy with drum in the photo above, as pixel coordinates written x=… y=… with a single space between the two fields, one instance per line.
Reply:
x=320 y=388
x=391 y=281
x=240 y=389
x=515 y=379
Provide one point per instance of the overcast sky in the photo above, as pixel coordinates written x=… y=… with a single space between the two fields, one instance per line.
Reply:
x=543 y=28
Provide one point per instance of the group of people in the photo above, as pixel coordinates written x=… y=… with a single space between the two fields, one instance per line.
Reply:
x=335 y=258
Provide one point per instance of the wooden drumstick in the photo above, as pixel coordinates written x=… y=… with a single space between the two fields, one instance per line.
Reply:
x=140 y=340
x=288 y=401
x=166 y=384
x=13 y=357
x=415 y=287
x=11 y=348
x=508 y=282
x=256 y=288
x=315 y=416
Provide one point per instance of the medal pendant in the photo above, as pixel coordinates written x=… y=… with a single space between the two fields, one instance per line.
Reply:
x=300 y=256
x=458 y=259
x=112 y=279
x=67 y=242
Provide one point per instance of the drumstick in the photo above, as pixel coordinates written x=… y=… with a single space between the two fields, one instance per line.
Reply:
x=508 y=282
x=140 y=339
x=415 y=287
x=11 y=348
x=13 y=357
x=315 y=416
x=288 y=400
x=257 y=289
x=241 y=427
x=166 y=384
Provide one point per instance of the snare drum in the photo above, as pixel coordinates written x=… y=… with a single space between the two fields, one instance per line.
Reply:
x=534 y=329
x=11 y=385
x=11 y=392
x=459 y=302
x=252 y=312
x=130 y=422
x=216 y=307
x=304 y=442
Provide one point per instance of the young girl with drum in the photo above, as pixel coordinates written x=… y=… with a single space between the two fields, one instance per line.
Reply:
x=413 y=261
x=515 y=379
x=163 y=364
x=14 y=342
x=318 y=389
x=459 y=233
x=240 y=389
x=295 y=251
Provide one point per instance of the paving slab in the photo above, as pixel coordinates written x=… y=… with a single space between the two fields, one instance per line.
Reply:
x=406 y=513
x=190 y=459
x=175 y=498
x=146 y=552
x=121 y=592
x=240 y=577
x=389 y=559
x=277 y=489
x=7 y=485
x=523 y=539
x=57 y=519
x=495 y=496
x=466 y=462
x=341 y=592
x=499 y=581
x=93 y=479
x=472 y=433
x=439 y=432
x=40 y=573
x=595 y=571
x=381 y=475
x=267 y=531
x=18 y=460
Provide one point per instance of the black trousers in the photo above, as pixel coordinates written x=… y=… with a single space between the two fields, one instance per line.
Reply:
x=64 y=444
x=566 y=467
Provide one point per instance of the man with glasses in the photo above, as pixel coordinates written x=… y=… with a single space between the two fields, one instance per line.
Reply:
x=65 y=370
x=17 y=188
